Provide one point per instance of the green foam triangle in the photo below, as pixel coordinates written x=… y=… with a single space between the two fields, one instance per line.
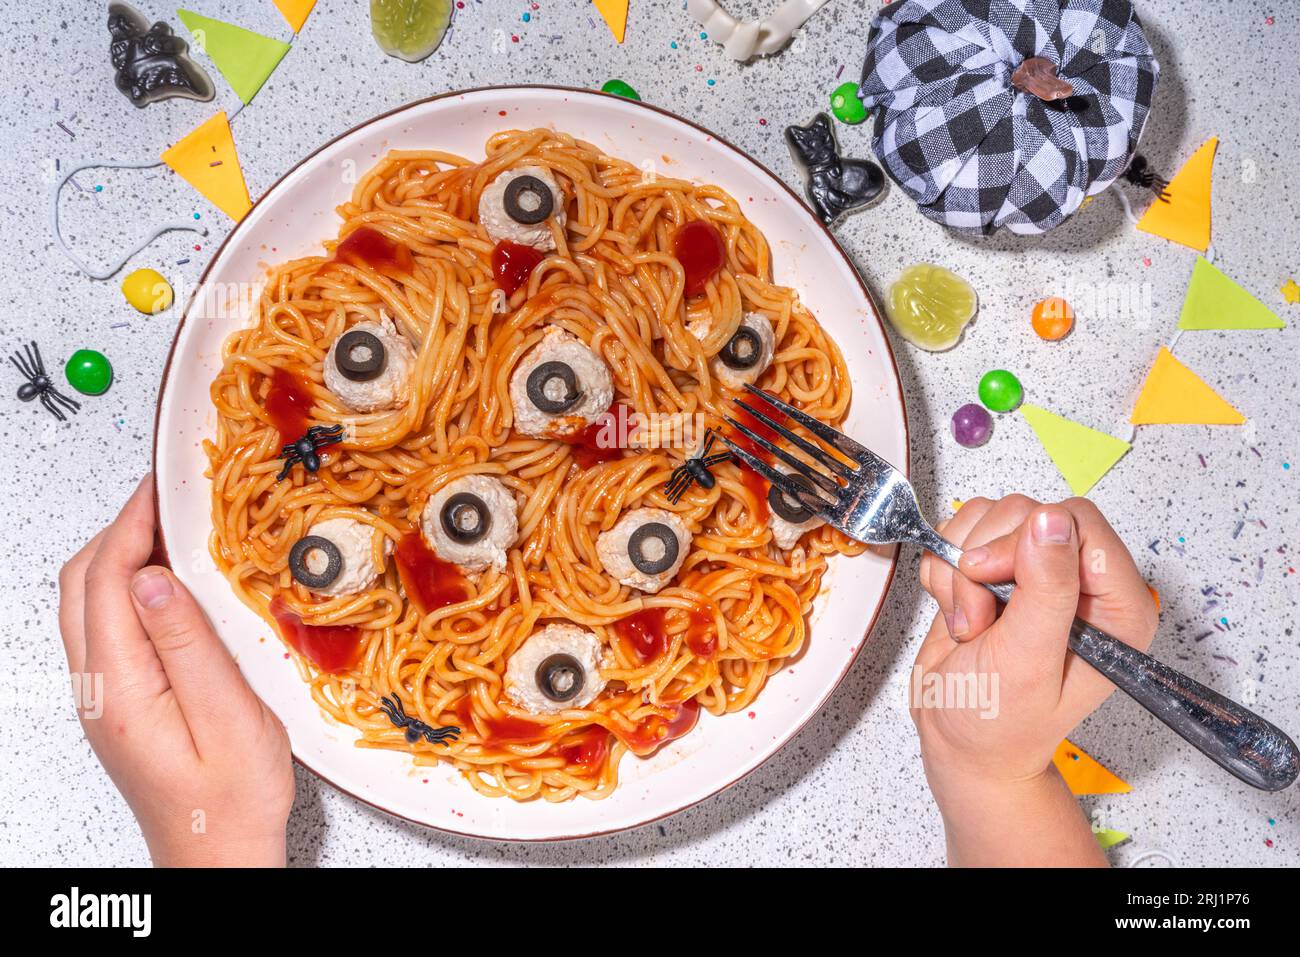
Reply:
x=244 y=58
x=1082 y=455
x=1214 y=301
x=1108 y=838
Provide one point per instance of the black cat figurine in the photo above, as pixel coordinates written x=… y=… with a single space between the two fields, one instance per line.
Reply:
x=836 y=185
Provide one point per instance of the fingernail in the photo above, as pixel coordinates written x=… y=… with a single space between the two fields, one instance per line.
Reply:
x=1052 y=527
x=975 y=556
x=151 y=588
x=959 y=624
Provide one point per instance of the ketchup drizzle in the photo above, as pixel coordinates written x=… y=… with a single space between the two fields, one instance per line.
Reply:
x=512 y=264
x=698 y=246
x=329 y=647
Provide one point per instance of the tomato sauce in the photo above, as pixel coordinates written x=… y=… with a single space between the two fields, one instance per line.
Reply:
x=701 y=635
x=585 y=750
x=370 y=247
x=653 y=732
x=698 y=246
x=506 y=729
x=329 y=647
x=644 y=633
x=591 y=446
x=512 y=264
x=429 y=581
x=288 y=403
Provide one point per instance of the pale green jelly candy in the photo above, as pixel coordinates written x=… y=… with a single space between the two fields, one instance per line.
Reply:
x=930 y=306
x=409 y=29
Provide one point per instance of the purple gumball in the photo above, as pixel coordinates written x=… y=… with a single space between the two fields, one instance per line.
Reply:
x=971 y=425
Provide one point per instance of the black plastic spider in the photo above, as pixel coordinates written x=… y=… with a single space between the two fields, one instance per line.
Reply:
x=307 y=449
x=1140 y=173
x=415 y=728
x=695 y=470
x=39 y=384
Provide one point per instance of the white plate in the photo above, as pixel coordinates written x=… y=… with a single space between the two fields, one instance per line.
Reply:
x=291 y=220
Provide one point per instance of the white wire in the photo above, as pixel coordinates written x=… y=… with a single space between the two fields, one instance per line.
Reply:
x=107 y=271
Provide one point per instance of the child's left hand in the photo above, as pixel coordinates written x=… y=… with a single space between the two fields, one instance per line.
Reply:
x=203 y=763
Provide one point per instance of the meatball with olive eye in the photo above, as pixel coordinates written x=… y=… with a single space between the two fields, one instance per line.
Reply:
x=368 y=367
x=556 y=669
x=645 y=549
x=336 y=557
x=746 y=355
x=518 y=205
x=471 y=522
x=789 y=518
x=559 y=387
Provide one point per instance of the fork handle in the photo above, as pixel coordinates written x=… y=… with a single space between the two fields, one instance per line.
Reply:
x=1234 y=737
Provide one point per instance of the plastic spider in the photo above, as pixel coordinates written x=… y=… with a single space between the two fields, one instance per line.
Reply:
x=307 y=449
x=1140 y=173
x=695 y=470
x=415 y=728
x=39 y=384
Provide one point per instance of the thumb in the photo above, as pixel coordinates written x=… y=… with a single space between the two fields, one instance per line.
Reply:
x=213 y=696
x=1036 y=622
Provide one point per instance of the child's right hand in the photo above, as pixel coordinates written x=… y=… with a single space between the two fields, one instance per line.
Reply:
x=1066 y=560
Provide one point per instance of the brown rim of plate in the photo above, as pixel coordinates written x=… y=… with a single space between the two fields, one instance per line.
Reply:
x=161 y=550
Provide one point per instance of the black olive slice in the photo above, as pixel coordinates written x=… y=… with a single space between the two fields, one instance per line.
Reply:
x=360 y=355
x=636 y=548
x=302 y=572
x=540 y=379
x=743 y=350
x=465 y=518
x=528 y=200
x=560 y=677
x=789 y=509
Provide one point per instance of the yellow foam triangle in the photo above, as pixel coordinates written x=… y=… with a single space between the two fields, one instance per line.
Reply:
x=1084 y=774
x=1175 y=395
x=295 y=12
x=1214 y=301
x=207 y=160
x=1082 y=455
x=615 y=14
x=1108 y=838
x=1186 y=217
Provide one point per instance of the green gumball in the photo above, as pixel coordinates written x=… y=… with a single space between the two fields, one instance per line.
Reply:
x=619 y=88
x=846 y=105
x=1000 y=391
x=89 y=372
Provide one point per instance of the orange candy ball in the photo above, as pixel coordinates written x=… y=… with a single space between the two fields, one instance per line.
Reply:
x=1053 y=319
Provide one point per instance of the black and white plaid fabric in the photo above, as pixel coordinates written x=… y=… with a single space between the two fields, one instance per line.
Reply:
x=973 y=151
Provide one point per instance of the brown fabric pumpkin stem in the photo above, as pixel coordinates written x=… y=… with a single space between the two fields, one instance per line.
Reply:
x=1037 y=75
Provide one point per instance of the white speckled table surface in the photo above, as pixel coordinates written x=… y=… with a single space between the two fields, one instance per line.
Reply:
x=1209 y=512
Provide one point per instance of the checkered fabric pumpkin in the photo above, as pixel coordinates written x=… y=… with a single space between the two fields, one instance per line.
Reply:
x=993 y=113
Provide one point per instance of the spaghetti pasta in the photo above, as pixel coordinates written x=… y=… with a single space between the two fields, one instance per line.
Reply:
x=437 y=636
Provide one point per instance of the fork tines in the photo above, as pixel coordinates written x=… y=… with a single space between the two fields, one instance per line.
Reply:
x=837 y=440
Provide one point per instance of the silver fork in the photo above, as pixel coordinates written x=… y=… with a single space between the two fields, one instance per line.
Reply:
x=871 y=501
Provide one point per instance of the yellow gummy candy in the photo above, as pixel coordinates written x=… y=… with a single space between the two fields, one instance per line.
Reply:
x=148 y=291
x=930 y=306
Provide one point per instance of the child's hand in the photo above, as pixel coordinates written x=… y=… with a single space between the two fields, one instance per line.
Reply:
x=1066 y=560
x=203 y=763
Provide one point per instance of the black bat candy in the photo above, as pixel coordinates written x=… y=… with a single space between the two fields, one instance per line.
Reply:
x=150 y=61
x=1140 y=173
x=695 y=470
x=306 y=451
x=39 y=385
x=836 y=185
x=415 y=728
